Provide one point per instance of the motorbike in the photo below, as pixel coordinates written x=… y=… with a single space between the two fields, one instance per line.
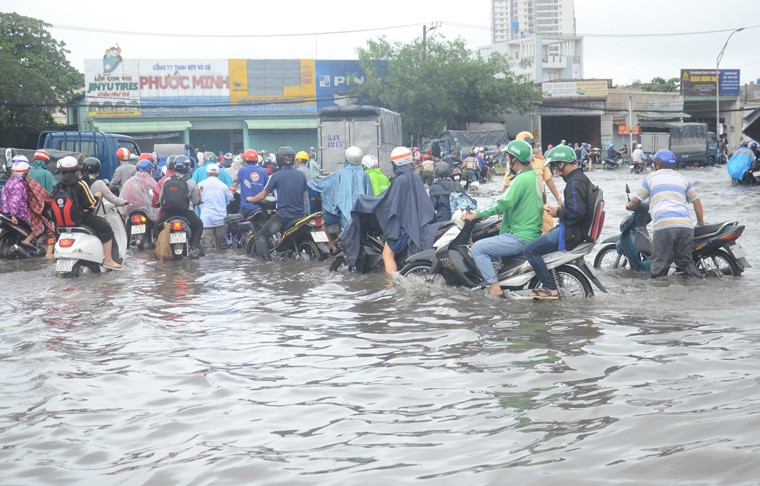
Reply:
x=12 y=234
x=451 y=262
x=140 y=230
x=241 y=230
x=639 y=167
x=79 y=251
x=303 y=238
x=613 y=163
x=714 y=249
x=179 y=237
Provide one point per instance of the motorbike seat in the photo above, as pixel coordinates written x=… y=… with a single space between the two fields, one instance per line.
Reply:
x=77 y=229
x=23 y=224
x=710 y=230
x=233 y=218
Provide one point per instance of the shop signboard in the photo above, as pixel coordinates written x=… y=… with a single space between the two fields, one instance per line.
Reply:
x=575 y=89
x=701 y=82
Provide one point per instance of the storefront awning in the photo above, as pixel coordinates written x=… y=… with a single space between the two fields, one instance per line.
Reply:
x=751 y=126
x=283 y=124
x=141 y=126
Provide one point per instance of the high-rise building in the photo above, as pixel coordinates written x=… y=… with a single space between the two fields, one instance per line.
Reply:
x=518 y=19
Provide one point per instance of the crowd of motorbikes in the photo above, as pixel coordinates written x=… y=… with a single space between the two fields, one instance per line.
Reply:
x=78 y=251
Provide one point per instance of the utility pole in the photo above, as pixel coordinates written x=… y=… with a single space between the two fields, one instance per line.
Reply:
x=717 y=84
x=424 y=37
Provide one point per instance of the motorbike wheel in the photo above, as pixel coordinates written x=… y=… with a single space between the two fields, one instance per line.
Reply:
x=421 y=269
x=6 y=246
x=570 y=281
x=719 y=264
x=608 y=258
x=338 y=263
x=82 y=269
x=307 y=249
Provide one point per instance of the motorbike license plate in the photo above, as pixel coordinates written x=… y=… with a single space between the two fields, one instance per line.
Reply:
x=737 y=251
x=319 y=237
x=64 y=265
x=179 y=237
x=138 y=229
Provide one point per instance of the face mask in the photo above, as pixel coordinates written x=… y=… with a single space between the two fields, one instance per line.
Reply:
x=17 y=174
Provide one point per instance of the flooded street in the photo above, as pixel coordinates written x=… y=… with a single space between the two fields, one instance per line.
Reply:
x=224 y=370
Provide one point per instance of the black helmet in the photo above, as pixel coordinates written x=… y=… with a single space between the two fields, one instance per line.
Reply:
x=182 y=163
x=170 y=161
x=91 y=165
x=285 y=155
x=442 y=170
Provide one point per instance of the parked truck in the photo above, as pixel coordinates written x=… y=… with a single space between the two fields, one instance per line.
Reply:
x=692 y=143
x=91 y=144
x=375 y=130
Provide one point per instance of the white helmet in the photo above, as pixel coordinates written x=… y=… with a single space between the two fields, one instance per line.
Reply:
x=68 y=163
x=354 y=155
x=212 y=169
x=20 y=165
x=370 y=162
x=401 y=156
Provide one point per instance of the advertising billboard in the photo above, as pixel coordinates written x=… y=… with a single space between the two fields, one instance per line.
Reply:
x=701 y=82
x=575 y=89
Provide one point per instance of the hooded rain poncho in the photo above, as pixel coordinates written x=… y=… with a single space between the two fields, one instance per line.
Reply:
x=340 y=190
x=138 y=191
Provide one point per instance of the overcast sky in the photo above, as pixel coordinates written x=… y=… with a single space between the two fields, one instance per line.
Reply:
x=621 y=58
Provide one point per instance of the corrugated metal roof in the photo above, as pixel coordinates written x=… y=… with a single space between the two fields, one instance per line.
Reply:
x=141 y=126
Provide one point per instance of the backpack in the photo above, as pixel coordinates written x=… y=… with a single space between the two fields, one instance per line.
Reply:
x=175 y=194
x=593 y=222
x=66 y=208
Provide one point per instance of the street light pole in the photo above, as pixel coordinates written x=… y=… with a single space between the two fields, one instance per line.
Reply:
x=717 y=83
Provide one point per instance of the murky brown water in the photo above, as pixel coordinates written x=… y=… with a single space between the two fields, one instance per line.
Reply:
x=226 y=371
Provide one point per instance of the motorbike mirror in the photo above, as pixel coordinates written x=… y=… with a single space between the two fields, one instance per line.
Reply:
x=8 y=158
x=627 y=189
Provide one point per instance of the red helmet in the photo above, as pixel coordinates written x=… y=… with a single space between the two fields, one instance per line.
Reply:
x=123 y=154
x=146 y=156
x=41 y=155
x=251 y=155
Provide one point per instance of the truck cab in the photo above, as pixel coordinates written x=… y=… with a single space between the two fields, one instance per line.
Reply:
x=101 y=145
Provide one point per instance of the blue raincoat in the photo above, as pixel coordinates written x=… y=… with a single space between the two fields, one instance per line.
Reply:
x=341 y=189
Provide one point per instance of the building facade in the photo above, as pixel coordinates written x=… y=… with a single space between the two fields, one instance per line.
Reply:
x=518 y=19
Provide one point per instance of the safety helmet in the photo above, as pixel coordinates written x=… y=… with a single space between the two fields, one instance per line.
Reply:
x=146 y=156
x=20 y=165
x=401 y=156
x=667 y=158
x=285 y=155
x=563 y=142
x=753 y=145
x=521 y=150
x=68 y=164
x=182 y=164
x=212 y=168
x=609 y=146
x=302 y=155
x=91 y=165
x=41 y=155
x=561 y=153
x=170 y=161
x=354 y=155
x=19 y=158
x=123 y=154
x=228 y=156
x=251 y=156
x=144 y=165
x=526 y=137
x=441 y=170
x=370 y=162
x=238 y=159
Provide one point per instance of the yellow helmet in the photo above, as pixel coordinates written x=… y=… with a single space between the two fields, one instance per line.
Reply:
x=526 y=136
x=302 y=155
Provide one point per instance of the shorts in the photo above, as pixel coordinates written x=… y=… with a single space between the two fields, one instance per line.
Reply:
x=397 y=245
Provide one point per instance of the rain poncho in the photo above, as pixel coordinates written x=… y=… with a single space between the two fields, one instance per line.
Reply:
x=404 y=205
x=379 y=180
x=740 y=163
x=340 y=190
x=40 y=173
x=138 y=191
x=14 y=199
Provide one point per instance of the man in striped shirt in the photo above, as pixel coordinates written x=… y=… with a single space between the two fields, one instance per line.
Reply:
x=669 y=193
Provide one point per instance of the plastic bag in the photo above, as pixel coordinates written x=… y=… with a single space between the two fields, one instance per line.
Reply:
x=163 y=247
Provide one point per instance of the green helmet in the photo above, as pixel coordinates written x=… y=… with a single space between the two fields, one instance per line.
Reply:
x=520 y=150
x=561 y=153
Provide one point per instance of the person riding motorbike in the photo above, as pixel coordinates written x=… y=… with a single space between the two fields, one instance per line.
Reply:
x=138 y=191
x=380 y=181
x=182 y=205
x=290 y=185
x=87 y=203
x=442 y=187
x=342 y=188
x=669 y=192
x=91 y=170
x=123 y=172
x=522 y=208
x=39 y=171
x=571 y=216
x=251 y=180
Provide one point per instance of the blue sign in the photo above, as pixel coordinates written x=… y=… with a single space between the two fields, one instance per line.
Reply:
x=335 y=78
x=729 y=82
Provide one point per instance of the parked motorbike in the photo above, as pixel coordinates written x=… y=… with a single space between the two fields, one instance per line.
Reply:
x=140 y=230
x=12 y=234
x=79 y=251
x=241 y=231
x=714 y=249
x=451 y=262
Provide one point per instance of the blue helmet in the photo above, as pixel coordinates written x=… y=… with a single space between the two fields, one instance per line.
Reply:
x=667 y=157
x=144 y=166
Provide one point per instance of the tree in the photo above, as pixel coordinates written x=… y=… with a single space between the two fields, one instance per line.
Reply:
x=661 y=85
x=438 y=85
x=37 y=78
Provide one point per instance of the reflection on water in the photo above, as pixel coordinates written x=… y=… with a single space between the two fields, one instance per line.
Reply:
x=223 y=370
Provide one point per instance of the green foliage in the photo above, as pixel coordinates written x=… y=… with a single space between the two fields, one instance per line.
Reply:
x=439 y=85
x=662 y=85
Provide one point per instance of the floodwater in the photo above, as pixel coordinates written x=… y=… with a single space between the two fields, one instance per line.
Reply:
x=227 y=371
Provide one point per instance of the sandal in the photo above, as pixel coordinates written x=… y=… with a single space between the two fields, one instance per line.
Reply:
x=114 y=267
x=544 y=294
